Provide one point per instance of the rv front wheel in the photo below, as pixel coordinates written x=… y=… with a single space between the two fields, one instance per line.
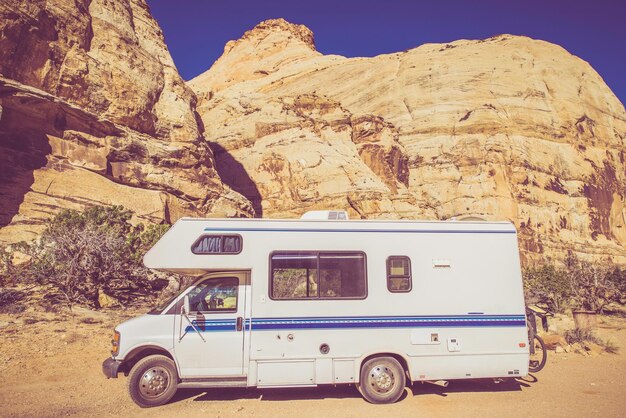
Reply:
x=382 y=380
x=153 y=381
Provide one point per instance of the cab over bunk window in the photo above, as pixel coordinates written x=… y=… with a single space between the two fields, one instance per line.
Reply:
x=318 y=275
x=217 y=244
x=399 y=274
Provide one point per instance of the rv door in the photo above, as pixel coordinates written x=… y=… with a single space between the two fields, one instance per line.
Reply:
x=209 y=330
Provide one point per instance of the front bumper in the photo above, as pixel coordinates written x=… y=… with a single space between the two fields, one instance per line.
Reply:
x=111 y=368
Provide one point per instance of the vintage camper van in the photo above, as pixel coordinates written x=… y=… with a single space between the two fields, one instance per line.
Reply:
x=292 y=303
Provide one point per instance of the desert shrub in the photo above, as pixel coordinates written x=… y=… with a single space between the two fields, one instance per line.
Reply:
x=576 y=284
x=583 y=336
x=10 y=300
x=547 y=285
x=7 y=269
x=617 y=278
x=591 y=284
x=81 y=254
x=5 y=263
x=141 y=239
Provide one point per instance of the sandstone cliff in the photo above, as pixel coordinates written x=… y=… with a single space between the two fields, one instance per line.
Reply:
x=502 y=128
x=93 y=111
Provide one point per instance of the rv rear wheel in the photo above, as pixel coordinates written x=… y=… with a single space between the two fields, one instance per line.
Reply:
x=382 y=380
x=153 y=381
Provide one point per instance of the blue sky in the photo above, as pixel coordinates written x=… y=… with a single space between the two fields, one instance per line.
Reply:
x=196 y=30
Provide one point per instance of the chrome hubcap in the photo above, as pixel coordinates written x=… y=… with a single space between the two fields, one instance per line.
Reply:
x=154 y=382
x=381 y=379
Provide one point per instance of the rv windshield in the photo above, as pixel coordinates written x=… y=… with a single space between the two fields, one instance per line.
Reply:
x=158 y=309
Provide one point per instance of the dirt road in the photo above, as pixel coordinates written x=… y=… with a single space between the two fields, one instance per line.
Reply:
x=52 y=368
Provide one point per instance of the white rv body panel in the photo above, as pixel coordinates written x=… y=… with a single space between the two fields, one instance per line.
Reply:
x=201 y=357
x=147 y=331
x=463 y=317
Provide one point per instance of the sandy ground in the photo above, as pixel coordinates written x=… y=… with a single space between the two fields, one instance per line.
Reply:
x=53 y=368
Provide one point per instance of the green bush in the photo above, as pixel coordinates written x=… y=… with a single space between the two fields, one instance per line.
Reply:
x=576 y=284
x=617 y=278
x=548 y=286
x=590 y=284
x=81 y=254
x=7 y=269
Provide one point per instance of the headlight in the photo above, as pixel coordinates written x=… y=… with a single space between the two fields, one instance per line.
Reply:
x=115 y=344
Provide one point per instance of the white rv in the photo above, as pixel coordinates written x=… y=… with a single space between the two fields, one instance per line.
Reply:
x=286 y=303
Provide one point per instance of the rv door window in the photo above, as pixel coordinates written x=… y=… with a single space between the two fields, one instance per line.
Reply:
x=215 y=295
x=317 y=275
x=399 y=274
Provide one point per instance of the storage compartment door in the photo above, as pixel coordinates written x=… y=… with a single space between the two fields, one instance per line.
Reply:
x=286 y=373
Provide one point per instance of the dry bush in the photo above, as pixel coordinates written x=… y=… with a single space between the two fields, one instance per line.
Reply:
x=582 y=336
x=11 y=300
x=81 y=254
x=578 y=284
x=592 y=284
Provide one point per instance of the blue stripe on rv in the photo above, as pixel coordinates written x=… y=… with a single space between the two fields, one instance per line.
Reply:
x=267 y=324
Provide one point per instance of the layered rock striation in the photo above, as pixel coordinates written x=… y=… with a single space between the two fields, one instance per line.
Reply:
x=93 y=111
x=502 y=128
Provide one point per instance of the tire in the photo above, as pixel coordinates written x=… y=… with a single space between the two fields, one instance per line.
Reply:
x=538 y=359
x=153 y=381
x=382 y=380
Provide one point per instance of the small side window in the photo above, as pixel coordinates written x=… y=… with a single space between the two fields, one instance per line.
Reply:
x=399 y=274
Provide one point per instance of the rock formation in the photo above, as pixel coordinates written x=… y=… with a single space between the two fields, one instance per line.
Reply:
x=503 y=128
x=93 y=111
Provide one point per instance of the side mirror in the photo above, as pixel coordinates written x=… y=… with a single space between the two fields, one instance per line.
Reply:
x=185 y=308
x=184 y=311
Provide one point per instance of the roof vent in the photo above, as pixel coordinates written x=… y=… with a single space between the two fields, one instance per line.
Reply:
x=326 y=215
x=469 y=218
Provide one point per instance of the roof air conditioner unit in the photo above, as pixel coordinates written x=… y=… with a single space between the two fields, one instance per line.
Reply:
x=326 y=215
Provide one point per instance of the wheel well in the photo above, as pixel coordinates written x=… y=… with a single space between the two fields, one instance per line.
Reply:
x=398 y=357
x=141 y=352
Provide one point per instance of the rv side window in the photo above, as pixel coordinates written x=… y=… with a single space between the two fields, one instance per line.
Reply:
x=399 y=274
x=217 y=244
x=294 y=276
x=317 y=275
